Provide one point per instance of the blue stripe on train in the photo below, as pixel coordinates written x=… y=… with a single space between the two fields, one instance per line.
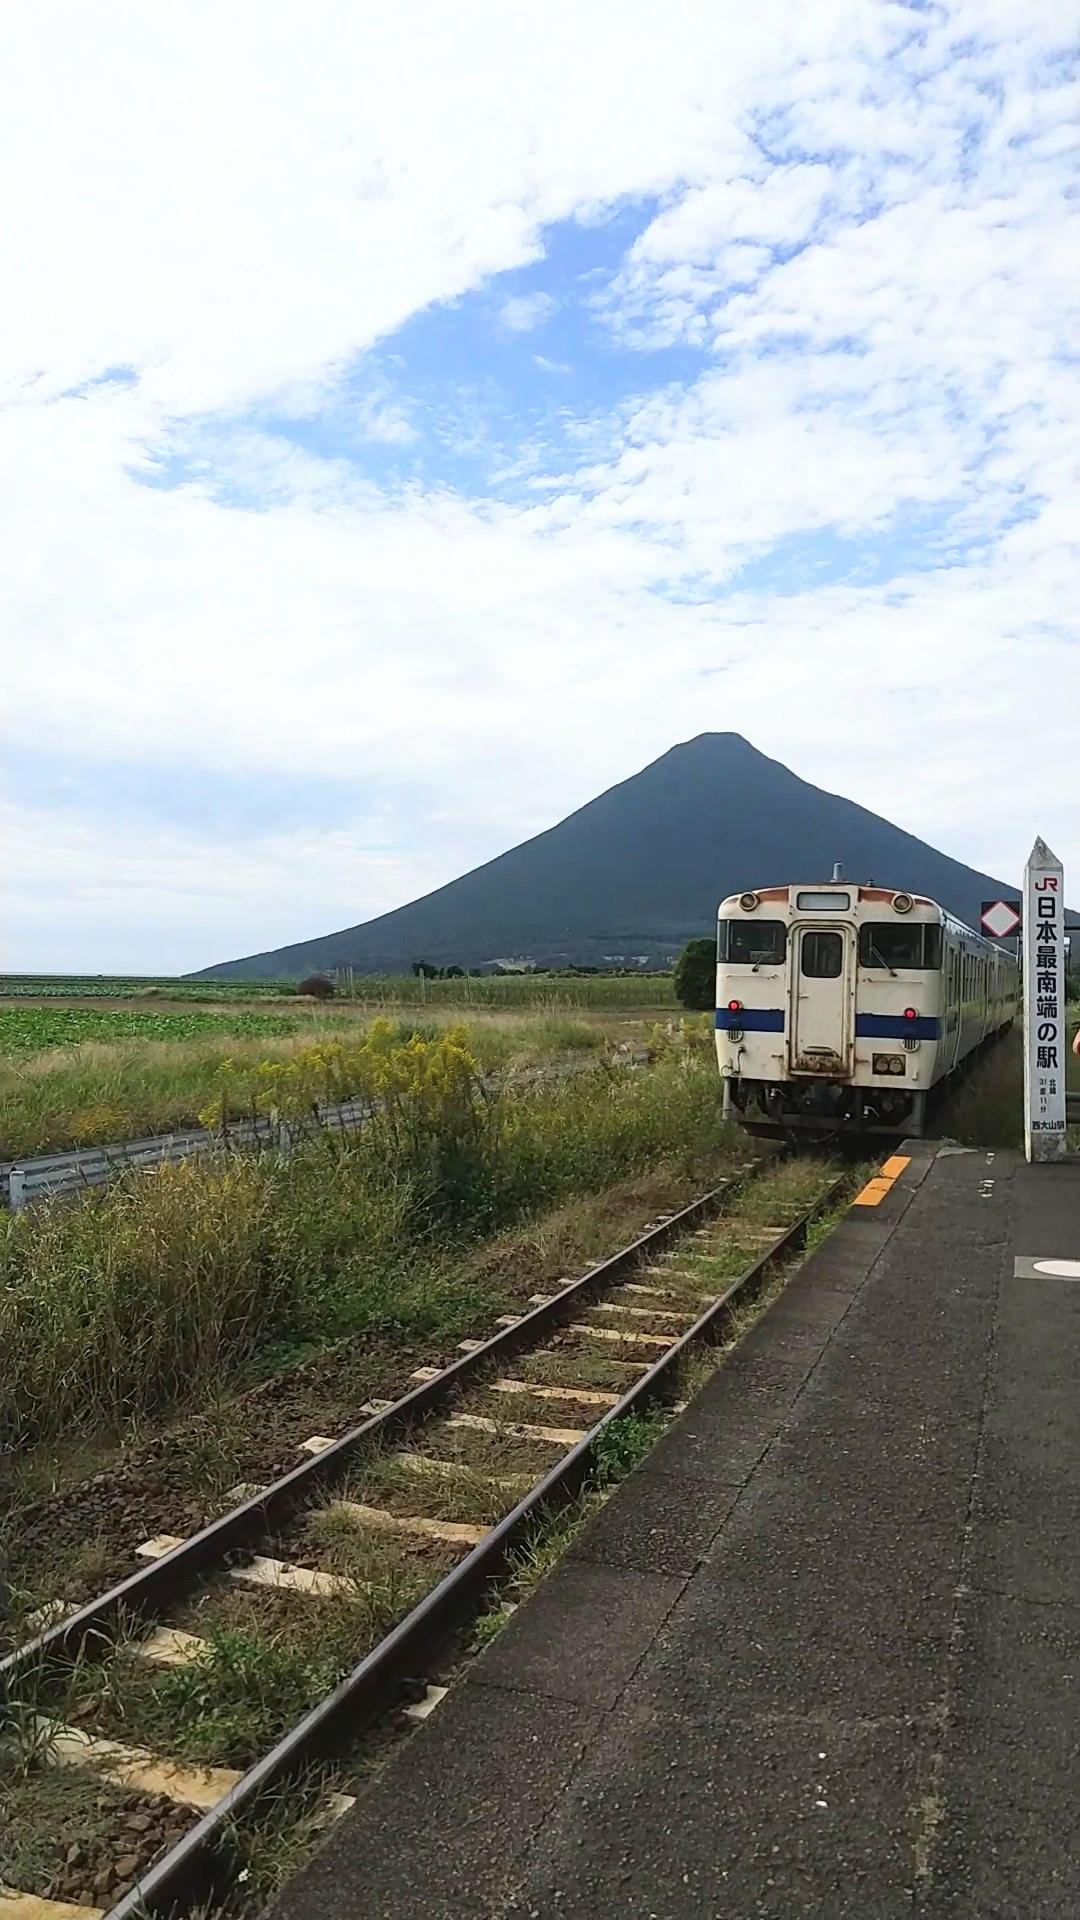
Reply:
x=868 y=1026
x=893 y=1026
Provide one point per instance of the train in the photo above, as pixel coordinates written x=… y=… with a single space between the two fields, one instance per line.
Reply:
x=841 y=1008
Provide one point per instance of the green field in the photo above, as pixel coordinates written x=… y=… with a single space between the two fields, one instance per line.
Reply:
x=35 y=1029
x=104 y=986
x=492 y=990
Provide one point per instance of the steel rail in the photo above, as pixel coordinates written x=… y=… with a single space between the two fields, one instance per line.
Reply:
x=159 y=1585
x=192 y=1868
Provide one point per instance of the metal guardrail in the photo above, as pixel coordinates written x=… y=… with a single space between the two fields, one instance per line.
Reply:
x=53 y=1176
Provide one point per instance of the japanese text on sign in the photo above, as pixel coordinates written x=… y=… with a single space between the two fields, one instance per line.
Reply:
x=1044 y=1012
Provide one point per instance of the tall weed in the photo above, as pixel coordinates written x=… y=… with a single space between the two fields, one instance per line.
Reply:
x=148 y=1292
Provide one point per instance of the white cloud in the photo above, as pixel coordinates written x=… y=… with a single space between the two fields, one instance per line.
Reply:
x=525 y=311
x=862 y=225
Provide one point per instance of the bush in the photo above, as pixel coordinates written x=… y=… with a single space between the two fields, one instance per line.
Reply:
x=695 y=976
x=317 y=987
x=148 y=1292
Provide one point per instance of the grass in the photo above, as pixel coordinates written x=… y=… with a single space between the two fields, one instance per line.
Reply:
x=44 y=1811
x=624 y=1444
x=148 y=1292
x=987 y=1107
x=266 y=1659
x=498 y=991
x=121 y=1081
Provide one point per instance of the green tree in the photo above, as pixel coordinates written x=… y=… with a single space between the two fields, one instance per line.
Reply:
x=695 y=976
x=317 y=986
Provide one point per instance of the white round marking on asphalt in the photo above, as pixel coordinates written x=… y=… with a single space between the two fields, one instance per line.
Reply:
x=1058 y=1269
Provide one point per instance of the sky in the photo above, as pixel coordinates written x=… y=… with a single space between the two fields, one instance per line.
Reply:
x=415 y=419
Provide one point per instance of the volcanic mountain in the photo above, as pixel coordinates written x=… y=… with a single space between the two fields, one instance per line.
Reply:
x=634 y=874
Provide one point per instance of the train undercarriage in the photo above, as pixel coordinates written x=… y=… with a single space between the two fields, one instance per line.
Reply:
x=822 y=1106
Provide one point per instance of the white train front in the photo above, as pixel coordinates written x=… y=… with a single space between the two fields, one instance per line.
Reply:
x=842 y=1006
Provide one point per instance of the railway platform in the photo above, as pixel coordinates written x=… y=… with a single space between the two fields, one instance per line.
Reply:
x=820 y=1654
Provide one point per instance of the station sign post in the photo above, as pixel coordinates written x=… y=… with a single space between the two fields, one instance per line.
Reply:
x=1044 y=1005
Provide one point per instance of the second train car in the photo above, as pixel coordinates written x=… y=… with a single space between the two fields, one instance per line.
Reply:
x=842 y=1007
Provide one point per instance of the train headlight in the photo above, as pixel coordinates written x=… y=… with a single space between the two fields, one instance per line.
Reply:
x=748 y=901
x=902 y=903
x=889 y=1063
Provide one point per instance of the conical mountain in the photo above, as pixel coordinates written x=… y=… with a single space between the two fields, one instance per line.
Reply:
x=639 y=870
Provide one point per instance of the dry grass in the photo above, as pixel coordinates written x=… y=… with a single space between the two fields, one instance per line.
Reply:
x=107 y=1091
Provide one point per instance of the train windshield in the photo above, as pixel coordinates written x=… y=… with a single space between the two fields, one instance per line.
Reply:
x=884 y=943
x=751 y=942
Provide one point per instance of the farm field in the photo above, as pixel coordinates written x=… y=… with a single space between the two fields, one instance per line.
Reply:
x=38 y=1029
x=80 y=1077
x=101 y=986
x=493 y=992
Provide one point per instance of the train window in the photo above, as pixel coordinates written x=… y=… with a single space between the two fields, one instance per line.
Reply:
x=751 y=942
x=822 y=955
x=820 y=902
x=882 y=943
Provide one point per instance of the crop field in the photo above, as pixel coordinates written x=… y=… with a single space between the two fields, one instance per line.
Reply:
x=494 y=992
x=35 y=1029
x=497 y=991
x=100 y=986
x=87 y=1076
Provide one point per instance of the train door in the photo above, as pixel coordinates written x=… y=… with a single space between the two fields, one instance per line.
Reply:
x=823 y=1000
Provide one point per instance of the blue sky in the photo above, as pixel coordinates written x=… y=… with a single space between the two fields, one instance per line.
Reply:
x=395 y=452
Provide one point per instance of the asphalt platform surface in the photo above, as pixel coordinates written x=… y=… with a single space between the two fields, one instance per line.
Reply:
x=821 y=1654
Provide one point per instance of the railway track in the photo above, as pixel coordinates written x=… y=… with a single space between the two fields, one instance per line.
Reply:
x=403 y=1526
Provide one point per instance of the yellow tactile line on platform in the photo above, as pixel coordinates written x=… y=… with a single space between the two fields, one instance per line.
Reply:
x=875 y=1190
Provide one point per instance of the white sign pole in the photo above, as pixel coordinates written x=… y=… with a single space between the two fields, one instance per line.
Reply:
x=1044 y=1005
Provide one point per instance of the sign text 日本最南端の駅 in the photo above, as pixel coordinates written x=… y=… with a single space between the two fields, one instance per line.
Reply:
x=1044 y=1005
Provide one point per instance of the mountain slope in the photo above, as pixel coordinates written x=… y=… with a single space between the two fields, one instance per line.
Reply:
x=640 y=870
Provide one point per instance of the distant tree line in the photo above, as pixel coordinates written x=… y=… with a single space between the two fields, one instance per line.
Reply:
x=427 y=970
